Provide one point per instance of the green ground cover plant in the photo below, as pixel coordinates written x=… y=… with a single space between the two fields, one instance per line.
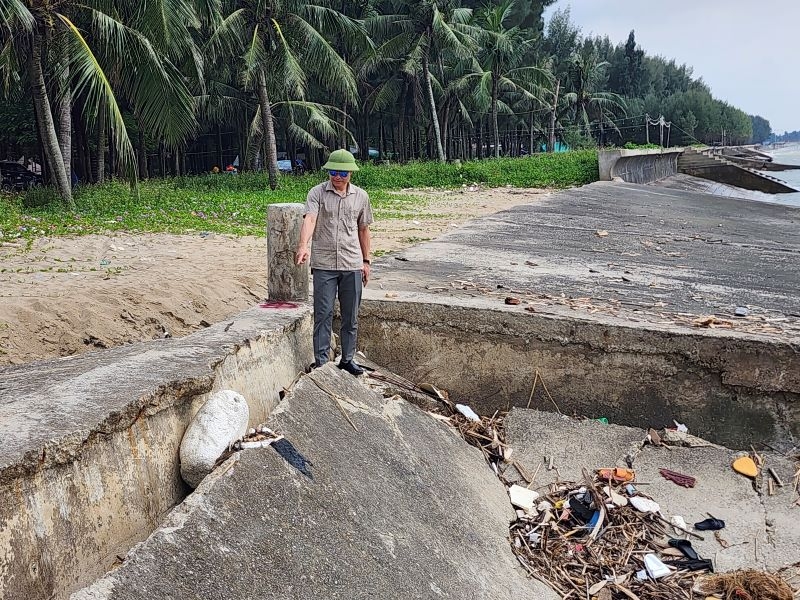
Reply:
x=237 y=204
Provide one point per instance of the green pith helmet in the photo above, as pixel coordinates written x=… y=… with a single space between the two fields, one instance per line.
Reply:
x=341 y=160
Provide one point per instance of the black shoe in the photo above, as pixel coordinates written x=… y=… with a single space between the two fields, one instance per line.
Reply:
x=351 y=367
x=685 y=546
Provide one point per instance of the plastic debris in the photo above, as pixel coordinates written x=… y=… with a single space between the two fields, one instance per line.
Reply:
x=522 y=497
x=645 y=505
x=617 y=474
x=468 y=412
x=681 y=427
x=616 y=499
x=678 y=523
x=655 y=568
x=745 y=466
x=741 y=311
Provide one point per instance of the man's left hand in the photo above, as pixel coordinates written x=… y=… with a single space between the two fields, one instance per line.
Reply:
x=365 y=269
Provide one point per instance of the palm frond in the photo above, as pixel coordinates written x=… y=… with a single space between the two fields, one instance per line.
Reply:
x=92 y=81
x=14 y=15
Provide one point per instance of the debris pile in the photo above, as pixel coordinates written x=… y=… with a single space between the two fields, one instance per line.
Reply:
x=582 y=538
x=602 y=538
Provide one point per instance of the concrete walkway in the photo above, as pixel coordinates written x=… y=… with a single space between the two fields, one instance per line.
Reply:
x=666 y=256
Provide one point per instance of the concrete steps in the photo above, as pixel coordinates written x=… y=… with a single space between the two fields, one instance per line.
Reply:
x=709 y=165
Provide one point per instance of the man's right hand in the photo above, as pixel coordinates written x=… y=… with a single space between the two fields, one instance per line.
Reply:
x=301 y=256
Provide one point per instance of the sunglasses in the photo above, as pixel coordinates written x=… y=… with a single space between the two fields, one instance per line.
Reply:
x=339 y=173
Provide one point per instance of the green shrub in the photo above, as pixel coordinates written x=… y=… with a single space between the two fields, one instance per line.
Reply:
x=237 y=204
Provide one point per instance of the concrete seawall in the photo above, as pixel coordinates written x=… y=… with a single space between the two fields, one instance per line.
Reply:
x=638 y=166
x=89 y=445
x=727 y=388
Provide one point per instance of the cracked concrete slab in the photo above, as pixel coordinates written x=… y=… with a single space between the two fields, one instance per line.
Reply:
x=761 y=530
x=385 y=502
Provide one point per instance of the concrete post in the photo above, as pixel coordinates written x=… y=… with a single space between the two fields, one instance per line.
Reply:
x=287 y=281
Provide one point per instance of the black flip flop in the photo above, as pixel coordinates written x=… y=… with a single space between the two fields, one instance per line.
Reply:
x=710 y=525
x=685 y=546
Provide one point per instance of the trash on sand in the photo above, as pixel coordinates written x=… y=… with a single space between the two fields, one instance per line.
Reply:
x=616 y=499
x=679 y=523
x=645 y=505
x=653 y=437
x=685 y=546
x=746 y=584
x=711 y=322
x=654 y=567
x=682 y=480
x=745 y=466
x=602 y=420
x=616 y=474
x=741 y=311
x=710 y=525
x=522 y=497
x=432 y=390
x=512 y=300
x=468 y=412
x=554 y=545
x=680 y=427
x=601 y=233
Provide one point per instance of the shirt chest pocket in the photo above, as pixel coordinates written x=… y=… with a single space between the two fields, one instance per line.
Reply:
x=348 y=217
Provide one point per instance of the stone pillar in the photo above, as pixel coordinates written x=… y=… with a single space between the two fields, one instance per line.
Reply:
x=287 y=281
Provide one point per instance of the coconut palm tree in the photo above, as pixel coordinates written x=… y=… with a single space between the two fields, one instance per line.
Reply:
x=418 y=31
x=95 y=43
x=284 y=41
x=584 y=100
x=498 y=69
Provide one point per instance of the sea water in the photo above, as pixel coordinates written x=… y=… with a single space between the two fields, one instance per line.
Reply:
x=787 y=156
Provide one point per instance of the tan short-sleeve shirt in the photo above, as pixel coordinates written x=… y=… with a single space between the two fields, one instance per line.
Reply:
x=335 y=245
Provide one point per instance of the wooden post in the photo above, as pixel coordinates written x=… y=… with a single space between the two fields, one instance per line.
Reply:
x=287 y=281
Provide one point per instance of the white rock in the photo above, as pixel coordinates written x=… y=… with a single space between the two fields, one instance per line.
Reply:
x=522 y=497
x=220 y=421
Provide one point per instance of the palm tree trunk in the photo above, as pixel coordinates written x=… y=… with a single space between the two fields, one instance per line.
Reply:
x=551 y=138
x=44 y=117
x=65 y=124
x=530 y=131
x=102 y=140
x=495 y=130
x=271 y=157
x=432 y=101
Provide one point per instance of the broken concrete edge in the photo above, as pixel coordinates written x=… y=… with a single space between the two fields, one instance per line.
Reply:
x=173 y=521
x=709 y=348
x=67 y=448
x=116 y=583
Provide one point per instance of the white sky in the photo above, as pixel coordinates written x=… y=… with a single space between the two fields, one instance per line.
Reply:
x=747 y=51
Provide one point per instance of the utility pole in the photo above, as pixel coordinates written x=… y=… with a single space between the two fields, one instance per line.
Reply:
x=551 y=138
x=661 y=130
x=647 y=126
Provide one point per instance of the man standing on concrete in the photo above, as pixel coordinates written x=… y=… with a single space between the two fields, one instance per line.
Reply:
x=337 y=218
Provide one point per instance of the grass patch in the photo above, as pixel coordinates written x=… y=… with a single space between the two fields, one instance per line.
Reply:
x=237 y=204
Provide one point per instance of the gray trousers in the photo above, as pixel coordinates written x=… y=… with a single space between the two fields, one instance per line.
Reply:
x=326 y=286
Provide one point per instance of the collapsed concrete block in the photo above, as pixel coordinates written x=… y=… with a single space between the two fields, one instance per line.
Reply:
x=220 y=422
